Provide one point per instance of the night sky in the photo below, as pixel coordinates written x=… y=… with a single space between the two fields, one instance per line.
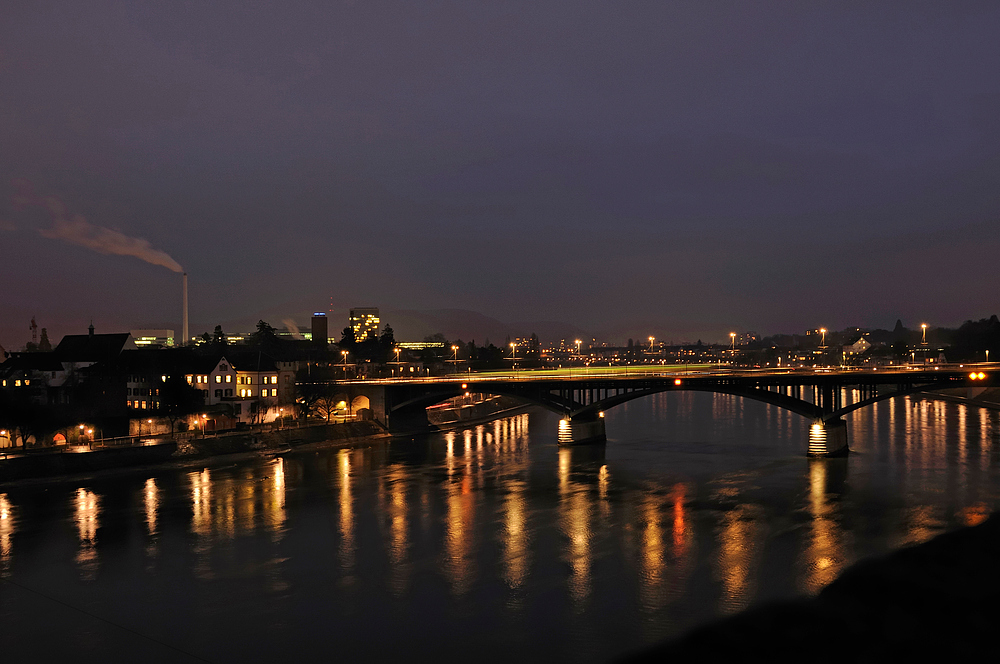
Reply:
x=680 y=169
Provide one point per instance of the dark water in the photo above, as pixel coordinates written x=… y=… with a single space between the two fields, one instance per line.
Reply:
x=491 y=543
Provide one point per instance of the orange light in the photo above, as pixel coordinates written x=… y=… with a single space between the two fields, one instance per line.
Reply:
x=464 y=386
x=981 y=375
x=972 y=375
x=677 y=381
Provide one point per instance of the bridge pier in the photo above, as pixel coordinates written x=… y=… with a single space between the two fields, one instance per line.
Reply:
x=828 y=439
x=584 y=428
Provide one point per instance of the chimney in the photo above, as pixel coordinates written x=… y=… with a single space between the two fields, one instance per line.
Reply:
x=91 y=328
x=184 y=319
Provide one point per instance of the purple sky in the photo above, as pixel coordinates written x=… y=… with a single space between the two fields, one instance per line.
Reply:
x=632 y=168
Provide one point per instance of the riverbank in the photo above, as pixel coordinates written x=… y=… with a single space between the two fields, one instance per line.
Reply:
x=935 y=599
x=225 y=449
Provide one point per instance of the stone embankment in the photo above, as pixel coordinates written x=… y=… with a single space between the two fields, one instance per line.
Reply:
x=938 y=600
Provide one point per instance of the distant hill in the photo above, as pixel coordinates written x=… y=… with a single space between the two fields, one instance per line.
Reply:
x=414 y=325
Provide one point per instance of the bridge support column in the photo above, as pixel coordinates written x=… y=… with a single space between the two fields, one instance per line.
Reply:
x=409 y=423
x=582 y=429
x=828 y=439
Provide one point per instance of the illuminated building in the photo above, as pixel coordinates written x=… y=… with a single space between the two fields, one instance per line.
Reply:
x=364 y=321
x=152 y=338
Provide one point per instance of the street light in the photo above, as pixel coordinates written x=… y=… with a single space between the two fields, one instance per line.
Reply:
x=822 y=342
x=344 y=353
x=454 y=350
x=651 y=344
x=732 y=338
x=923 y=327
x=578 y=342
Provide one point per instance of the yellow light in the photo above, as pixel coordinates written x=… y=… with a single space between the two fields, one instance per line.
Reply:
x=972 y=375
x=981 y=375
x=677 y=381
x=464 y=386
x=601 y=414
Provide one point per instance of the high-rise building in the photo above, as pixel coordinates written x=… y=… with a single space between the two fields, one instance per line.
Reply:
x=364 y=321
x=319 y=328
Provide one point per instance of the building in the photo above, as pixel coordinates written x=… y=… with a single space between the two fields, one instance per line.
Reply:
x=320 y=329
x=364 y=322
x=152 y=338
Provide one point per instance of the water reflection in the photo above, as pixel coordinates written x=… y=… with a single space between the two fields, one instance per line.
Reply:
x=579 y=470
x=87 y=513
x=151 y=502
x=823 y=558
x=347 y=545
x=739 y=534
x=516 y=541
x=670 y=524
x=6 y=533
x=460 y=506
x=395 y=511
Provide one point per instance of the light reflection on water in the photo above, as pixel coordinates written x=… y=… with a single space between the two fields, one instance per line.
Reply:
x=698 y=506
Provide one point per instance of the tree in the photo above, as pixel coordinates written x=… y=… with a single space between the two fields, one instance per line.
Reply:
x=219 y=337
x=311 y=384
x=347 y=340
x=43 y=343
x=387 y=341
x=179 y=398
x=327 y=403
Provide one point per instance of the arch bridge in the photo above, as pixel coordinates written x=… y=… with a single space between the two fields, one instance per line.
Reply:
x=822 y=396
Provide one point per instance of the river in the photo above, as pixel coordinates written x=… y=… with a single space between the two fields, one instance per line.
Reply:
x=492 y=543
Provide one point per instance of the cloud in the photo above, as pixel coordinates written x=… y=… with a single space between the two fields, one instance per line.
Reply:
x=75 y=229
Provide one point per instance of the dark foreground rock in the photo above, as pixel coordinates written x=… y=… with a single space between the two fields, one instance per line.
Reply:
x=938 y=600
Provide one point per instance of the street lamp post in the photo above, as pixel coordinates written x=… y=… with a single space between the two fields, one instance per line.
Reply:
x=344 y=353
x=923 y=327
x=651 y=345
x=454 y=350
x=732 y=339
x=822 y=342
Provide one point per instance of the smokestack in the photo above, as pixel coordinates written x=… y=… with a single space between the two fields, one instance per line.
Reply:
x=184 y=323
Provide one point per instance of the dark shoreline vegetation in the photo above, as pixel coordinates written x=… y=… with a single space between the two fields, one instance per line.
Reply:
x=937 y=598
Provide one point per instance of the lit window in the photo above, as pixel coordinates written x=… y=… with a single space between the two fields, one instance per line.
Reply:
x=17 y=383
x=144 y=404
x=274 y=391
x=218 y=379
x=27 y=382
x=229 y=378
x=163 y=379
x=188 y=379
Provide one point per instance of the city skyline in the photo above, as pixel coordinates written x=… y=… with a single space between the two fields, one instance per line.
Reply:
x=677 y=171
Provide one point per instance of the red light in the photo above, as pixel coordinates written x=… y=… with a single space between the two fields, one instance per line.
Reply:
x=677 y=381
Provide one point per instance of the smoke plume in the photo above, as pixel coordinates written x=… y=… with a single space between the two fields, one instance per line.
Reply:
x=292 y=328
x=75 y=229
